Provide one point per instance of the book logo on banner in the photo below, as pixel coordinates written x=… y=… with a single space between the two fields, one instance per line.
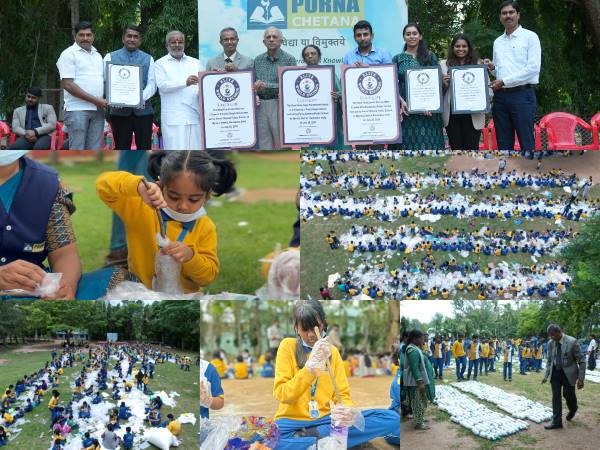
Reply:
x=307 y=85
x=267 y=13
x=227 y=89
x=369 y=83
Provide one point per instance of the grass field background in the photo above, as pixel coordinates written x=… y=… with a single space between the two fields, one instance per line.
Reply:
x=319 y=261
x=269 y=220
x=36 y=434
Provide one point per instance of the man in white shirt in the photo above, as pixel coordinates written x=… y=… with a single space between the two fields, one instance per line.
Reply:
x=177 y=81
x=82 y=77
x=516 y=65
x=591 y=352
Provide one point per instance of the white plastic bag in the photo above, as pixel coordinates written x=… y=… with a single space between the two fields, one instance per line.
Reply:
x=167 y=271
x=161 y=438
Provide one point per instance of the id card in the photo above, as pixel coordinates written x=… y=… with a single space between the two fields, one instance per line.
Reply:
x=313 y=409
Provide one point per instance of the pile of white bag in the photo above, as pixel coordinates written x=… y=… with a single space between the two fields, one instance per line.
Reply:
x=474 y=416
x=516 y=405
x=592 y=375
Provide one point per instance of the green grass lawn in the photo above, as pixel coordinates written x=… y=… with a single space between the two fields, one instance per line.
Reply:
x=36 y=433
x=319 y=261
x=269 y=221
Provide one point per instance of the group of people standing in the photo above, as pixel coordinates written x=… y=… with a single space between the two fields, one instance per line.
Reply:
x=515 y=66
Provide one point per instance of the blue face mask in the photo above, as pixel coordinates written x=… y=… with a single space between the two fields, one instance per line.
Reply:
x=309 y=346
x=7 y=157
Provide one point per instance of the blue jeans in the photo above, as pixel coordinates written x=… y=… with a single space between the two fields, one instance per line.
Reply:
x=136 y=162
x=461 y=363
x=492 y=360
x=473 y=363
x=85 y=128
x=438 y=366
x=507 y=371
x=515 y=112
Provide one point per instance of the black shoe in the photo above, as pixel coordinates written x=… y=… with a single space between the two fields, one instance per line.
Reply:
x=553 y=426
x=571 y=414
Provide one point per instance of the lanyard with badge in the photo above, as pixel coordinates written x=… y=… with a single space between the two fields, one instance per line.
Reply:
x=313 y=407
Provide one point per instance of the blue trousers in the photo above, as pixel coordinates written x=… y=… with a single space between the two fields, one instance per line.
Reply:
x=492 y=360
x=473 y=363
x=93 y=285
x=136 y=162
x=507 y=371
x=522 y=365
x=515 y=112
x=438 y=365
x=378 y=423
x=461 y=364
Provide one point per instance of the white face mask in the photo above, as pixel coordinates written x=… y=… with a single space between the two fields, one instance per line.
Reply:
x=7 y=157
x=181 y=217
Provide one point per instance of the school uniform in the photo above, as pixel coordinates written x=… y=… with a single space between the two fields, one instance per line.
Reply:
x=458 y=352
x=437 y=352
x=485 y=355
x=294 y=388
x=507 y=358
x=473 y=354
x=240 y=370
x=118 y=190
x=208 y=372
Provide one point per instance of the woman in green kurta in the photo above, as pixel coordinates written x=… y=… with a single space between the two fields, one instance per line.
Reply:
x=420 y=131
x=418 y=379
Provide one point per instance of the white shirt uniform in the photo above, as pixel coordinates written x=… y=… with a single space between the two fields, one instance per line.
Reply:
x=179 y=103
x=87 y=71
x=518 y=58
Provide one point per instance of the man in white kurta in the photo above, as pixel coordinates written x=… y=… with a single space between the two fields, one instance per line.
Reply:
x=177 y=81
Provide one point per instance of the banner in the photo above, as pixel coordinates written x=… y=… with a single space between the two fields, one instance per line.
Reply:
x=325 y=23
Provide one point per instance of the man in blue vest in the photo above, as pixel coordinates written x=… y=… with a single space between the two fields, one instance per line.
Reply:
x=30 y=235
x=125 y=121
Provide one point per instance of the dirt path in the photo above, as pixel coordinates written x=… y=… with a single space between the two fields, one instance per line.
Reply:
x=3 y=362
x=580 y=434
x=585 y=165
x=274 y=194
x=36 y=347
x=255 y=397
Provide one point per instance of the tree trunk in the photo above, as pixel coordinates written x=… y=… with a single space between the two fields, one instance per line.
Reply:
x=74 y=12
x=592 y=12
x=393 y=323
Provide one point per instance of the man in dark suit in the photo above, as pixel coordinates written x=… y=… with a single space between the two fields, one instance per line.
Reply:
x=230 y=60
x=33 y=123
x=565 y=366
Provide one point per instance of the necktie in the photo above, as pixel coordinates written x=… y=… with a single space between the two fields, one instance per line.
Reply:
x=228 y=60
x=558 y=357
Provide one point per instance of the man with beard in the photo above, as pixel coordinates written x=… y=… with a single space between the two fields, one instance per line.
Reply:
x=366 y=53
x=33 y=122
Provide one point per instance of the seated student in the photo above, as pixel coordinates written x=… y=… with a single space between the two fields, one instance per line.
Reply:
x=128 y=438
x=84 y=411
x=57 y=445
x=114 y=420
x=219 y=364
x=128 y=385
x=116 y=395
x=156 y=402
x=240 y=369
x=8 y=418
x=153 y=417
x=97 y=399
x=18 y=413
x=87 y=440
x=174 y=426
x=267 y=370
x=299 y=382
x=124 y=411
x=29 y=405
x=211 y=392
x=71 y=422
x=62 y=427
x=3 y=435
x=110 y=440
x=95 y=445
x=57 y=436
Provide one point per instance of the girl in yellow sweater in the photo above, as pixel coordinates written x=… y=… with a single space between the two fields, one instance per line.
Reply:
x=185 y=180
x=304 y=388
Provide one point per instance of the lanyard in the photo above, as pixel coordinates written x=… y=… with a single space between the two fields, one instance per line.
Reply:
x=313 y=389
x=182 y=235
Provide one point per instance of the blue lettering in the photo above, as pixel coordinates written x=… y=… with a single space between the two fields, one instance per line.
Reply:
x=352 y=6
x=325 y=6
x=296 y=4
x=310 y=6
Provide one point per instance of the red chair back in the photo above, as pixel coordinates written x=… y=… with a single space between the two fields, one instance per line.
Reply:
x=560 y=128
x=492 y=133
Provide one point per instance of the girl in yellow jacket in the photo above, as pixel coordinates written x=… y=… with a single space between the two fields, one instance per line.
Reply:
x=305 y=391
x=185 y=181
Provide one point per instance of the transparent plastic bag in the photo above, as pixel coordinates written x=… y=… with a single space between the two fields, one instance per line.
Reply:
x=49 y=285
x=219 y=432
x=167 y=271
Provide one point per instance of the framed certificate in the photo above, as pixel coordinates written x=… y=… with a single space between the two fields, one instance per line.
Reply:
x=370 y=104
x=424 y=89
x=227 y=110
x=306 y=108
x=124 y=85
x=469 y=89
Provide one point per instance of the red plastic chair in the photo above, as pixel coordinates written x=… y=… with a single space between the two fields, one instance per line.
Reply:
x=4 y=131
x=536 y=131
x=560 y=128
x=57 y=137
x=485 y=144
x=595 y=123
